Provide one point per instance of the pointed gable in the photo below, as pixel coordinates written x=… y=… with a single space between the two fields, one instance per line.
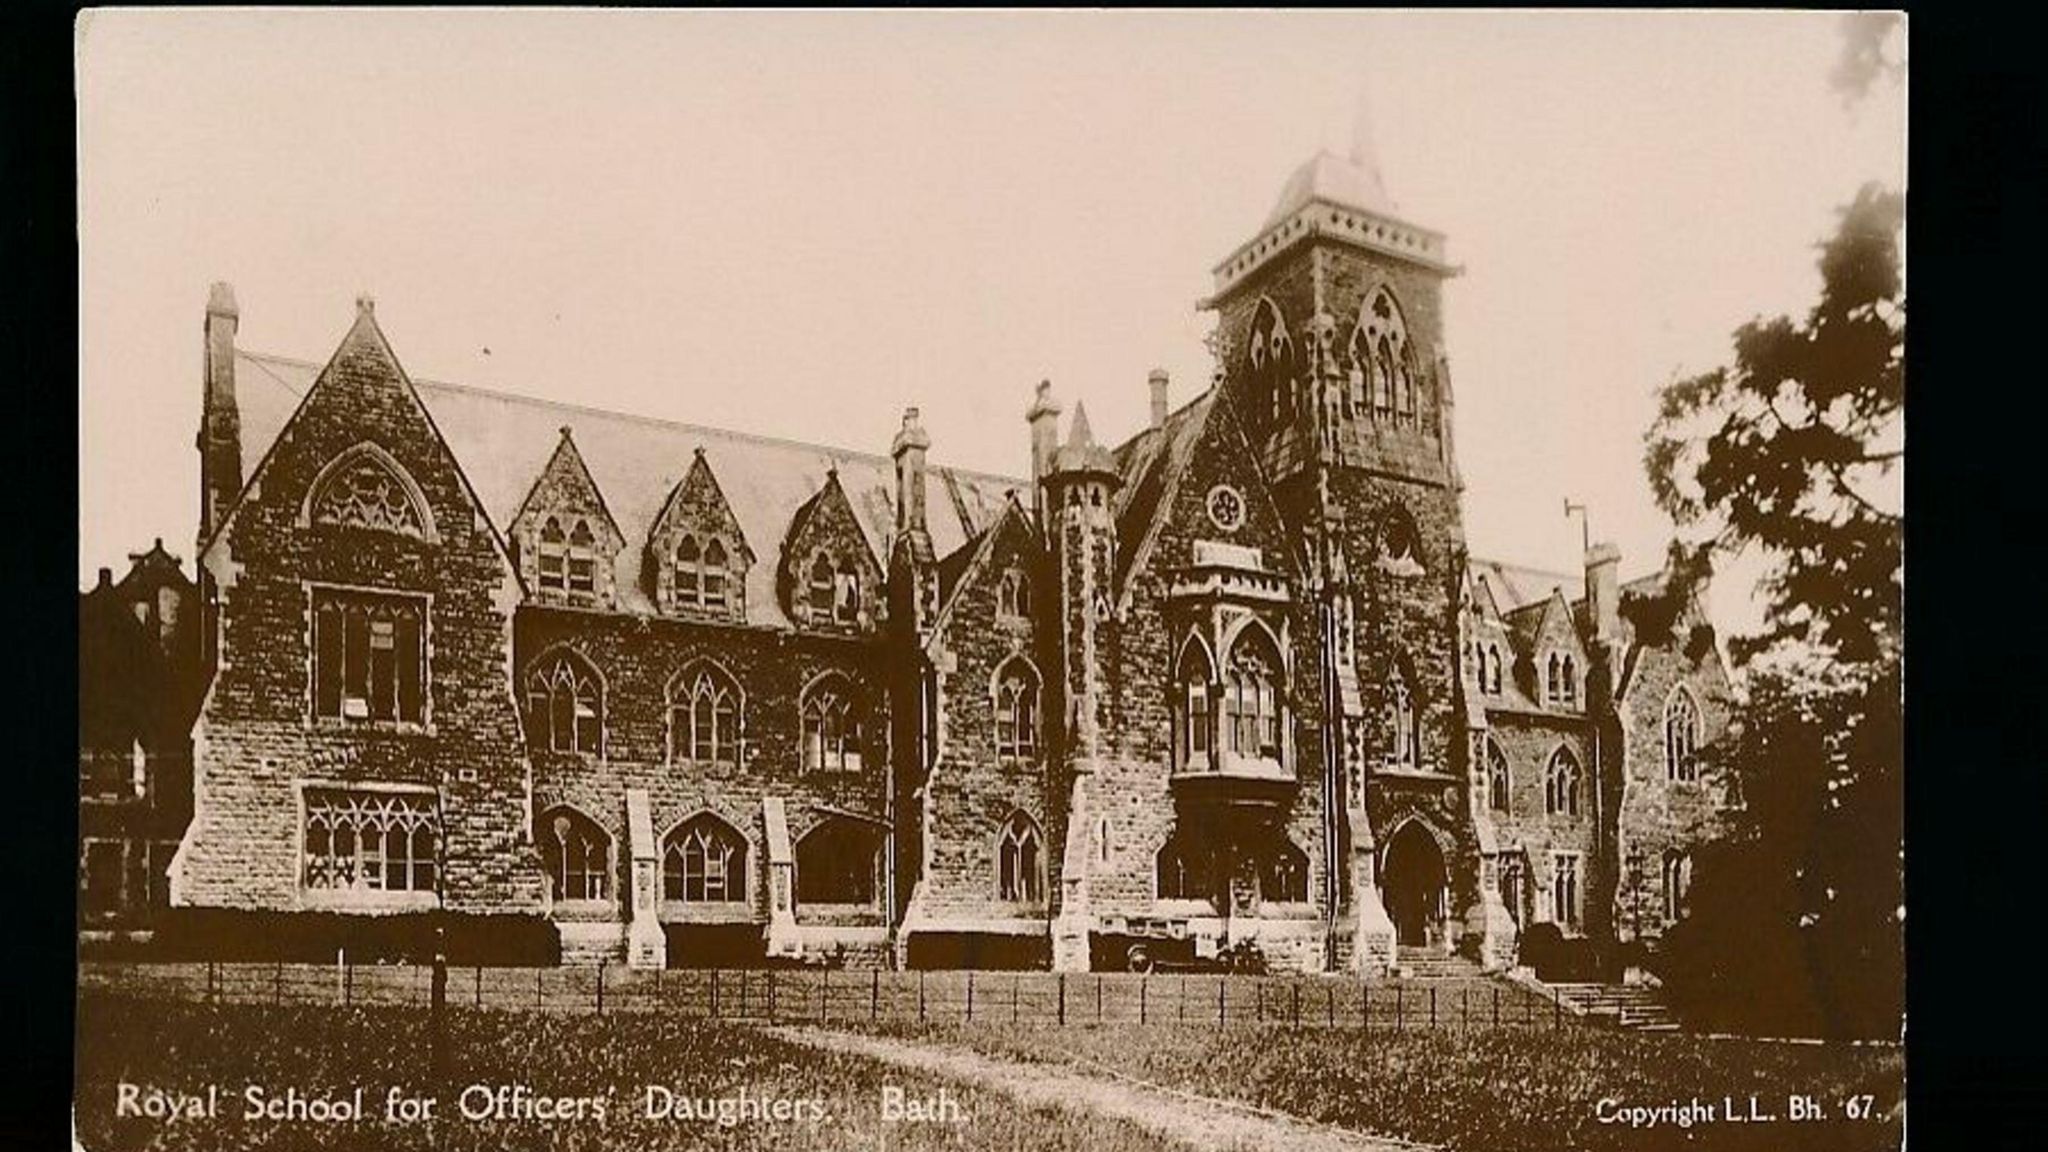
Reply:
x=1551 y=669
x=563 y=536
x=697 y=556
x=1008 y=549
x=829 y=577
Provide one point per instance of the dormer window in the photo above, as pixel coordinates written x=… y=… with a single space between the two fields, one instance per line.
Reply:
x=553 y=558
x=689 y=568
x=846 y=594
x=714 y=575
x=582 y=560
x=1561 y=681
x=821 y=588
x=1013 y=595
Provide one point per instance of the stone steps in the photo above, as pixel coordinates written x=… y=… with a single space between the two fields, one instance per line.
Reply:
x=1632 y=1006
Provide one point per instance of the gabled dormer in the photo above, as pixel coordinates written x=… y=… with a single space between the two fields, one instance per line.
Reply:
x=829 y=579
x=1553 y=665
x=564 y=538
x=697 y=557
x=1488 y=653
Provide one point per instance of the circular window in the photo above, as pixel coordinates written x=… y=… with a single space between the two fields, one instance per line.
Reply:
x=1226 y=507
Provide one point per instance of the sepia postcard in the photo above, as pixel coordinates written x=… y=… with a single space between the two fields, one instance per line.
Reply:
x=993 y=580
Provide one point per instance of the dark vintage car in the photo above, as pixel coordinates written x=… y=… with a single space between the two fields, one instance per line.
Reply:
x=1144 y=944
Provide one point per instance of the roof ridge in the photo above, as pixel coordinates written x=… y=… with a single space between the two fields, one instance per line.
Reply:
x=658 y=421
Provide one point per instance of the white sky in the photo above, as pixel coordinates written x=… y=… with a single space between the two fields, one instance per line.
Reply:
x=799 y=223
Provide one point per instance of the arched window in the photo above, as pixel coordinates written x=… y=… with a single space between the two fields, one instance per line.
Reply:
x=1383 y=359
x=704 y=715
x=1196 y=679
x=363 y=488
x=564 y=704
x=1498 y=783
x=1251 y=696
x=839 y=862
x=1270 y=354
x=1681 y=737
x=1181 y=871
x=831 y=726
x=576 y=854
x=552 y=559
x=1020 y=862
x=1404 y=750
x=1677 y=884
x=704 y=862
x=1283 y=873
x=1013 y=595
x=1569 y=686
x=846 y=593
x=819 y=592
x=1561 y=785
x=714 y=579
x=1513 y=885
x=689 y=568
x=582 y=559
x=1016 y=710
x=1493 y=669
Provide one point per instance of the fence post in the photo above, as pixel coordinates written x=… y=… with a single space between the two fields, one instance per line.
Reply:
x=771 y=994
x=920 y=995
x=479 y=985
x=600 y=987
x=1465 y=1007
x=1015 y=979
x=1063 y=998
x=1496 y=1005
x=348 y=981
x=1259 y=998
x=825 y=997
x=1432 y=1005
x=1294 y=998
x=209 y=981
x=1098 y=998
x=1365 y=1007
x=970 y=993
x=537 y=971
x=1557 y=1008
x=1400 y=1015
x=743 y=993
x=1330 y=1005
x=714 y=993
x=277 y=984
x=1142 y=982
x=875 y=995
x=1222 y=984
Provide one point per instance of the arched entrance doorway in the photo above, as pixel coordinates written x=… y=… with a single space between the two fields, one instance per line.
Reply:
x=1415 y=884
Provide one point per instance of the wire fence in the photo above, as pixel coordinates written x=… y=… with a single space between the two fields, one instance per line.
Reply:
x=847 y=996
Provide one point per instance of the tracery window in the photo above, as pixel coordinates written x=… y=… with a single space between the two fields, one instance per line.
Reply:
x=576 y=854
x=1383 y=361
x=704 y=862
x=1270 y=353
x=1283 y=873
x=1013 y=595
x=1016 y=710
x=1677 y=884
x=362 y=491
x=1181 y=871
x=839 y=862
x=564 y=705
x=1681 y=737
x=1561 y=785
x=1198 y=709
x=1251 y=697
x=831 y=726
x=1404 y=750
x=846 y=593
x=1498 y=782
x=370 y=841
x=1020 y=862
x=368 y=656
x=704 y=715
x=1564 y=888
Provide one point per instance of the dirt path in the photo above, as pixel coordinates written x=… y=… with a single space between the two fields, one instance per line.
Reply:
x=1200 y=1122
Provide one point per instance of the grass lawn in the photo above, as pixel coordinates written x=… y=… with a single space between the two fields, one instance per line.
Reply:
x=1491 y=1090
x=327 y=1052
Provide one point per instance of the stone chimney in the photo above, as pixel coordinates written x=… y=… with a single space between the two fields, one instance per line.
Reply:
x=1044 y=417
x=1157 y=381
x=220 y=429
x=908 y=451
x=1603 y=591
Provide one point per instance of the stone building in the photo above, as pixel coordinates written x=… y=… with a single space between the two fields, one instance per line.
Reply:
x=680 y=695
x=138 y=662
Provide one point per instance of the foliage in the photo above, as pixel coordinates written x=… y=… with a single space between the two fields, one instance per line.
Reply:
x=1795 y=924
x=1521 y=1089
x=1790 y=448
x=331 y=1050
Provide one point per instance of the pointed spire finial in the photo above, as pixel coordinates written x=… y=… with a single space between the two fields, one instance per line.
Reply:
x=1079 y=434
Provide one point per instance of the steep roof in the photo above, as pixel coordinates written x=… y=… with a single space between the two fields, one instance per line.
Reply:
x=504 y=441
x=1348 y=181
x=1147 y=463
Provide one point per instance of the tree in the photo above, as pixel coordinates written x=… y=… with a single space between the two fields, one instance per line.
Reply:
x=1794 y=449
x=1796 y=920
